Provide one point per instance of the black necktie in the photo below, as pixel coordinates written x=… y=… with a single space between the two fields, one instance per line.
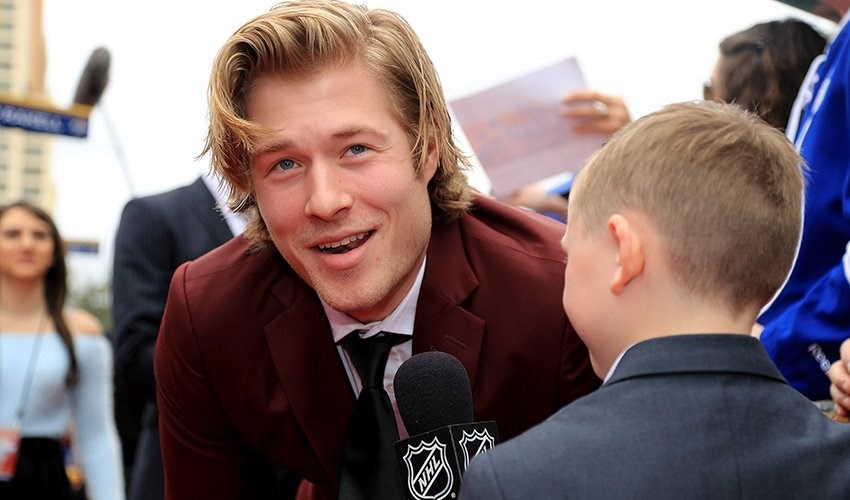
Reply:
x=369 y=470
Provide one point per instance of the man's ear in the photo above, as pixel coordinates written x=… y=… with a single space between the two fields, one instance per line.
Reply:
x=630 y=256
x=432 y=161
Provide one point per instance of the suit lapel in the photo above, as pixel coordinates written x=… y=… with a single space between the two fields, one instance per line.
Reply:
x=442 y=324
x=310 y=370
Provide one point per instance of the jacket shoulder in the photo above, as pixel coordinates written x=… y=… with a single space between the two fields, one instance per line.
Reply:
x=511 y=229
x=234 y=258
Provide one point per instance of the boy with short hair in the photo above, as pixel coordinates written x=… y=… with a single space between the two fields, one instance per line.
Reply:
x=680 y=229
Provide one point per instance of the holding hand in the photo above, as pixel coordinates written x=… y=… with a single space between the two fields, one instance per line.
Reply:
x=839 y=375
x=536 y=197
x=595 y=112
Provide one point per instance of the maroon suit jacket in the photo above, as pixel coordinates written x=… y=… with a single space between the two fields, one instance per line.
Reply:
x=248 y=374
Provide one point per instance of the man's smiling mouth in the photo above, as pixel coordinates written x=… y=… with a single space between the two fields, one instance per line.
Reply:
x=346 y=244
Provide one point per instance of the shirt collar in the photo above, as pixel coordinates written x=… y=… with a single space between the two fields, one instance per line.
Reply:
x=616 y=363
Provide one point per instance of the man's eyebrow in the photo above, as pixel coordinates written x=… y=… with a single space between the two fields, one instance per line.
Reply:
x=356 y=130
x=270 y=146
x=345 y=133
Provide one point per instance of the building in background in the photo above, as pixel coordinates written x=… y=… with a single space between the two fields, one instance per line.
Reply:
x=25 y=156
x=28 y=121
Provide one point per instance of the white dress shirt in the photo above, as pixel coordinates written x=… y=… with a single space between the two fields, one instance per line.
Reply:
x=399 y=321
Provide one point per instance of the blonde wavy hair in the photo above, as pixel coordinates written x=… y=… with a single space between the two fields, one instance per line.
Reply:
x=303 y=37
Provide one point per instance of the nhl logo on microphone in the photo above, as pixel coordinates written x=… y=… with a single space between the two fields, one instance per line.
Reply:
x=475 y=442
x=432 y=464
x=429 y=474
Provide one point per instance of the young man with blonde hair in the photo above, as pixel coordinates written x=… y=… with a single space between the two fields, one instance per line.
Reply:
x=328 y=124
x=680 y=229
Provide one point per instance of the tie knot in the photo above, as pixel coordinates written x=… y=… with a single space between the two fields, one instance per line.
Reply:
x=370 y=355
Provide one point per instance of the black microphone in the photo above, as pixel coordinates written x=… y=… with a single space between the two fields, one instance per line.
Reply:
x=435 y=403
x=94 y=78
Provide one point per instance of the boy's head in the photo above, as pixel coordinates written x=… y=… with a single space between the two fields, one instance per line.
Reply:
x=719 y=191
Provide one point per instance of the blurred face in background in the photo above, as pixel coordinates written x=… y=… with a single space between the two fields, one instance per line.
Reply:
x=26 y=245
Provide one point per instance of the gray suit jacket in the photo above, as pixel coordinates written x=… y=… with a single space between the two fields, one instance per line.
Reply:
x=684 y=417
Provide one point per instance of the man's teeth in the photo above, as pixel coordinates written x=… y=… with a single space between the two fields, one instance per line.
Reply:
x=343 y=242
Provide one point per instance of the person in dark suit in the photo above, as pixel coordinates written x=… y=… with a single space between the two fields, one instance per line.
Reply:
x=156 y=234
x=328 y=121
x=670 y=257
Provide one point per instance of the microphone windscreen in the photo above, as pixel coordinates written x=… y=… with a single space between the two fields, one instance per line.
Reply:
x=432 y=391
x=94 y=78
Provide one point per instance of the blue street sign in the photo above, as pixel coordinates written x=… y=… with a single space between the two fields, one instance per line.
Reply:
x=39 y=117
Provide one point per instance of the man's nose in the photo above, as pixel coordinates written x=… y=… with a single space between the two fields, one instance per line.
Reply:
x=328 y=193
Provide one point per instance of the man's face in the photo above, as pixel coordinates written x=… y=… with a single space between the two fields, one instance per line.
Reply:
x=336 y=185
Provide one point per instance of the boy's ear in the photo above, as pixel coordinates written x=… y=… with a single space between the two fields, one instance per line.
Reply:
x=630 y=256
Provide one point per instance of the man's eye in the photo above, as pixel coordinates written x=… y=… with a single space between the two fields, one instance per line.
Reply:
x=286 y=164
x=357 y=149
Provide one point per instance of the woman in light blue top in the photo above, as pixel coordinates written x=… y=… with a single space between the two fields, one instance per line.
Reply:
x=55 y=370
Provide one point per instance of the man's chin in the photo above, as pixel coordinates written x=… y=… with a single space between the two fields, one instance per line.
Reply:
x=362 y=307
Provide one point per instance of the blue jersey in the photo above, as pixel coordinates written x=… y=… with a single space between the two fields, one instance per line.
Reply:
x=807 y=321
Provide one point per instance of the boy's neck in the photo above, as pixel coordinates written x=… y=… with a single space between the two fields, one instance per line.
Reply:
x=684 y=314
